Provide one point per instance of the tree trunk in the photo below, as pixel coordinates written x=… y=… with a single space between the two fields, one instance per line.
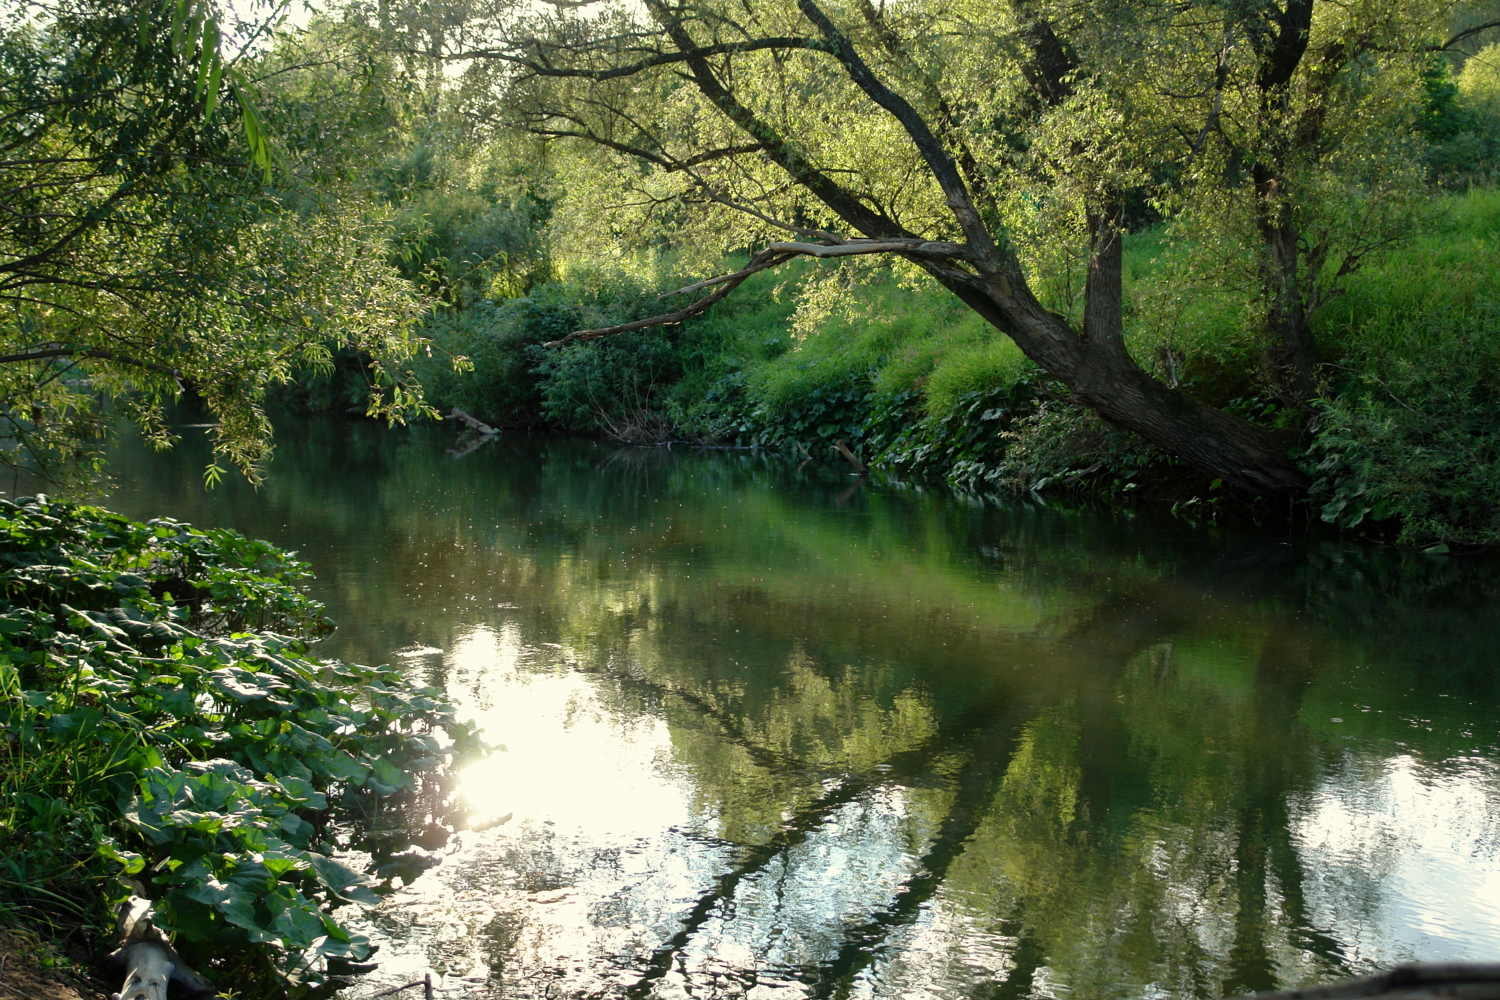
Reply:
x=1104 y=377
x=1291 y=351
x=1103 y=294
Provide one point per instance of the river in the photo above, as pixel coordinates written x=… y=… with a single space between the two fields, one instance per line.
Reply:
x=777 y=731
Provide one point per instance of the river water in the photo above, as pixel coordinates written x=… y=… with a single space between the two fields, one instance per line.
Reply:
x=776 y=731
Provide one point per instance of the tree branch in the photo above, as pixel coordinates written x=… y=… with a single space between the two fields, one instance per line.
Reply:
x=843 y=202
x=73 y=352
x=944 y=170
x=541 y=67
x=760 y=262
x=772 y=256
x=1465 y=34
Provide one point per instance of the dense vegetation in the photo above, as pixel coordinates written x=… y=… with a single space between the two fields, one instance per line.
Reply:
x=1405 y=431
x=549 y=228
x=1258 y=240
x=1180 y=251
x=166 y=733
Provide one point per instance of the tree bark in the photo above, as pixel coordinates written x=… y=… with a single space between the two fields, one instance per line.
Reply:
x=1104 y=293
x=1103 y=376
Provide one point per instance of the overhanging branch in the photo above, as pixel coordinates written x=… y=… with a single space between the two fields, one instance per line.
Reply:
x=772 y=256
x=72 y=352
x=760 y=262
x=1466 y=34
x=538 y=64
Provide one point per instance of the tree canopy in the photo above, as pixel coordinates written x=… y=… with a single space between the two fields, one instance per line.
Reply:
x=1003 y=148
x=152 y=240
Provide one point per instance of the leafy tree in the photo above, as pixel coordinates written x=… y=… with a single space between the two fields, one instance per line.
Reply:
x=151 y=241
x=1000 y=146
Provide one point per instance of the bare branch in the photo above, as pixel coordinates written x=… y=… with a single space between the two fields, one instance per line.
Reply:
x=760 y=262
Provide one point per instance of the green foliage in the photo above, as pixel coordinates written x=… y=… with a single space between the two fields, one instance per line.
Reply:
x=1407 y=435
x=152 y=240
x=164 y=722
x=969 y=372
x=465 y=246
x=1424 y=456
x=613 y=385
x=1460 y=119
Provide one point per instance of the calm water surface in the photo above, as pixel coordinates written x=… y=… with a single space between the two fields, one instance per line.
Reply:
x=776 y=732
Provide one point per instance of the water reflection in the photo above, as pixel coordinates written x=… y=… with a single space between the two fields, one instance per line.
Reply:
x=770 y=736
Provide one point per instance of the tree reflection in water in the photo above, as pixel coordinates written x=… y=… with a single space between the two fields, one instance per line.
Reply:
x=769 y=736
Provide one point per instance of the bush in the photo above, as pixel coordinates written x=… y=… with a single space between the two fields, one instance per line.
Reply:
x=1423 y=455
x=163 y=722
x=497 y=383
x=612 y=385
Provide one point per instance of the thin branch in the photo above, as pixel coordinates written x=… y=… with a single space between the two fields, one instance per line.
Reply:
x=760 y=262
x=1465 y=34
x=544 y=68
x=922 y=247
x=71 y=352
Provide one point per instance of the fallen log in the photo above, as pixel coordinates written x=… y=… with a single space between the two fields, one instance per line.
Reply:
x=473 y=423
x=843 y=449
x=151 y=963
x=1419 y=981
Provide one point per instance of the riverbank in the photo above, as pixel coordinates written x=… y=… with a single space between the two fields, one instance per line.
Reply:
x=30 y=968
x=1402 y=442
x=169 y=735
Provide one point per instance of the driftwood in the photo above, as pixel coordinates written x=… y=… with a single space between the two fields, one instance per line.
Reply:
x=425 y=982
x=843 y=449
x=151 y=963
x=1446 y=980
x=473 y=423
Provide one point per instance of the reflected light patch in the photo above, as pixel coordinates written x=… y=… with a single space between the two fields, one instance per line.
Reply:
x=1402 y=859
x=569 y=760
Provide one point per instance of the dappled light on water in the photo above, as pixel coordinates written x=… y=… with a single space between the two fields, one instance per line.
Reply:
x=767 y=735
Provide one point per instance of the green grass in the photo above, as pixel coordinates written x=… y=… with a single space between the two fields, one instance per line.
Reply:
x=1435 y=300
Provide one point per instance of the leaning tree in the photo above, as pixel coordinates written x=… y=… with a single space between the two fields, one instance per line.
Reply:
x=941 y=132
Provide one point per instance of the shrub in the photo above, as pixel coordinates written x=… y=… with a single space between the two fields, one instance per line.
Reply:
x=163 y=721
x=612 y=385
x=1407 y=434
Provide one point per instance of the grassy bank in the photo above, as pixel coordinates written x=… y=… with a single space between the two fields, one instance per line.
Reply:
x=1404 y=437
x=167 y=734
